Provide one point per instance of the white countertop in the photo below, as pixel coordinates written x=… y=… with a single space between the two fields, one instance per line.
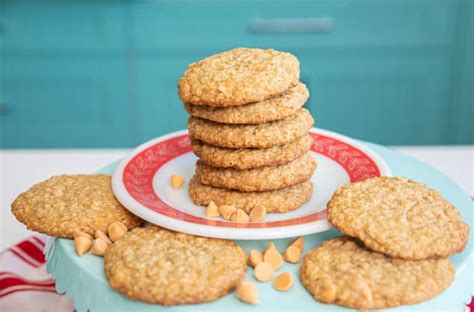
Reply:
x=20 y=169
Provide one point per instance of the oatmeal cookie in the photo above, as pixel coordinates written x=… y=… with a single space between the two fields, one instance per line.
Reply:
x=259 y=179
x=343 y=271
x=238 y=76
x=398 y=217
x=64 y=204
x=278 y=201
x=248 y=158
x=155 y=265
x=251 y=136
x=271 y=109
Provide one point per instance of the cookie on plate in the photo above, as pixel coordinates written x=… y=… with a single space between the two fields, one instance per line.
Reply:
x=278 y=201
x=344 y=272
x=238 y=76
x=398 y=217
x=274 y=108
x=63 y=204
x=259 y=179
x=251 y=136
x=155 y=265
x=248 y=158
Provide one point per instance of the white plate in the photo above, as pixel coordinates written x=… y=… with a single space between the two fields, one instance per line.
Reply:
x=141 y=183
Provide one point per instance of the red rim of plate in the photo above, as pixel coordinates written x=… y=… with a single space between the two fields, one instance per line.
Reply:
x=140 y=170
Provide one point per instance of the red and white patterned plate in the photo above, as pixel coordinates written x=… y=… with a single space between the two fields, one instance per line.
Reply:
x=141 y=183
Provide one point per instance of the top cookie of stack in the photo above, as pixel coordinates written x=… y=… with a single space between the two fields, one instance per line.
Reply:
x=239 y=76
x=248 y=128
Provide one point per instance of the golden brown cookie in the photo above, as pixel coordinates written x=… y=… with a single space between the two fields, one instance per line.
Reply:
x=283 y=200
x=274 y=108
x=251 y=136
x=344 y=272
x=238 y=76
x=63 y=204
x=398 y=217
x=159 y=266
x=248 y=158
x=259 y=179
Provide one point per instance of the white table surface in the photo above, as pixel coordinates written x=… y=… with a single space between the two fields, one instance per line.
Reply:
x=19 y=169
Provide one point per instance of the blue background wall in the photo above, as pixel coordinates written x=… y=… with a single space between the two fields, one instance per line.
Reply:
x=104 y=73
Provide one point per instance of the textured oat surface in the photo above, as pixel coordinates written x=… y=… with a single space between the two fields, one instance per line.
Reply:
x=63 y=204
x=251 y=136
x=344 y=272
x=238 y=76
x=248 y=158
x=274 y=108
x=398 y=217
x=259 y=179
x=282 y=200
x=159 y=266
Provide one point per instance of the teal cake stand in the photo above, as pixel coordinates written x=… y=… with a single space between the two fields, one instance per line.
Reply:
x=83 y=280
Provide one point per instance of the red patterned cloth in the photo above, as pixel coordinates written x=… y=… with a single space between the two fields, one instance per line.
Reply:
x=24 y=283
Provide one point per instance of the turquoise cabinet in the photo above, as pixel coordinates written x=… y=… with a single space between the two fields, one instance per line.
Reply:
x=157 y=104
x=34 y=28
x=105 y=73
x=292 y=24
x=53 y=103
x=382 y=99
x=64 y=75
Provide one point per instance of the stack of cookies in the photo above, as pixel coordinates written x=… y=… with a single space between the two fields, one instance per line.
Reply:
x=249 y=130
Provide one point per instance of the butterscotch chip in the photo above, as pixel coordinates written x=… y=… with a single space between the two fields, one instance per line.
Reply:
x=98 y=247
x=176 y=181
x=271 y=109
x=344 y=272
x=238 y=76
x=248 y=292
x=282 y=200
x=292 y=254
x=298 y=242
x=103 y=236
x=64 y=204
x=255 y=257
x=82 y=244
x=116 y=231
x=258 y=214
x=260 y=179
x=212 y=210
x=270 y=246
x=226 y=211
x=283 y=282
x=263 y=272
x=159 y=266
x=251 y=136
x=273 y=257
x=240 y=216
x=398 y=217
x=248 y=158
x=80 y=233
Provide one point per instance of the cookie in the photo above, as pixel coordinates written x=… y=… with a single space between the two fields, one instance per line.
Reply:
x=238 y=76
x=274 y=108
x=248 y=158
x=259 y=179
x=398 y=217
x=155 y=265
x=282 y=200
x=251 y=136
x=344 y=272
x=63 y=204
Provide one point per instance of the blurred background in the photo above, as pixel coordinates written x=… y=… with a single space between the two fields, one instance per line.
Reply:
x=104 y=73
